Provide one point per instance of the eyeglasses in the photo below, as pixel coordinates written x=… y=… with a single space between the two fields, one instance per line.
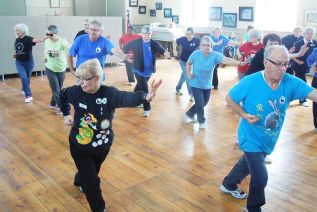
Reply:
x=49 y=34
x=83 y=79
x=205 y=44
x=280 y=65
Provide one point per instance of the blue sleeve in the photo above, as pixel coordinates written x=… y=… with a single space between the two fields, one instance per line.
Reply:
x=299 y=88
x=74 y=48
x=218 y=57
x=225 y=40
x=109 y=47
x=312 y=58
x=239 y=91
x=192 y=57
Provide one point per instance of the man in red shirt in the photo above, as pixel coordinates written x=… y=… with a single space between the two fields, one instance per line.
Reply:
x=123 y=41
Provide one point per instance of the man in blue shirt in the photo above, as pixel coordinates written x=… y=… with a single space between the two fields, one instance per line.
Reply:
x=92 y=45
x=261 y=99
x=188 y=44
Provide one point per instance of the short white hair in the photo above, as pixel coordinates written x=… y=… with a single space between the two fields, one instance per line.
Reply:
x=22 y=27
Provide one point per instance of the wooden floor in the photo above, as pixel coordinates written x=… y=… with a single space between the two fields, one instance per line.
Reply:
x=157 y=163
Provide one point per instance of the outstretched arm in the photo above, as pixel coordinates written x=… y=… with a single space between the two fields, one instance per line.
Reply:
x=313 y=95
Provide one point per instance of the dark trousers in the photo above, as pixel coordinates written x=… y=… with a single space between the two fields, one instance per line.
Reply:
x=301 y=75
x=88 y=165
x=215 y=77
x=25 y=69
x=314 y=85
x=141 y=85
x=201 y=99
x=128 y=68
x=250 y=163
x=56 y=80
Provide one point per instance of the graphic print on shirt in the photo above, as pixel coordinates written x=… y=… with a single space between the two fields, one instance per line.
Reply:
x=272 y=119
x=98 y=49
x=19 y=48
x=53 y=53
x=88 y=124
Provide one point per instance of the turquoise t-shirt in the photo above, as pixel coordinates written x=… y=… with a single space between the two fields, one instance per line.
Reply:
x=221 y=47
x=203 y=68
x=269 y=105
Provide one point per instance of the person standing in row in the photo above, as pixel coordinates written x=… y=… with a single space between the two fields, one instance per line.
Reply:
x=144 y=51
x=200 y=67
x=265 y=97
x=91 y=134
x=55 y=49
x=24 y=58
x=123 y=41
x=85 y=30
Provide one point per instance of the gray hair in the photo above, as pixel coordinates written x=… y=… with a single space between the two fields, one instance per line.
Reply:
x=206 y=39
x=256 y=34
x=23 y=28
x=52 y=28
x=97 y=23
x=309 y=29
x=88 y=69
x=268 y=52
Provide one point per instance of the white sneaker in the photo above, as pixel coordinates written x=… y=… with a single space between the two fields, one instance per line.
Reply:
x=191 y=99
x=59 y=113
x=304 y=104
x=140 y=106
x=55 y=107
x=202 y=125
x=146 y=113
x=28 y=99
x=178 y=92
x=189 y=119
x=267 y=159
x=23 y=93
x=239 y=194
x=131 y=83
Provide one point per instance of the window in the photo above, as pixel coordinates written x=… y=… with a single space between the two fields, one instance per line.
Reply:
x=276 y=15
x=195 y=13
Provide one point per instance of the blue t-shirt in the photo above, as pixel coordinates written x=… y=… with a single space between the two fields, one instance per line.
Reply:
x=219 y=48
x=269 y=105
x=187 y=47
x=147 y=61
x=86 y=49
x=203 y=68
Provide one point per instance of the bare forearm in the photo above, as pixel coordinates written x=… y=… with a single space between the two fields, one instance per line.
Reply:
x=235 y=107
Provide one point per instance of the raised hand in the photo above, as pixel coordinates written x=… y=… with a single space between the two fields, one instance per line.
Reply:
x=153 y=88
x=303 y=50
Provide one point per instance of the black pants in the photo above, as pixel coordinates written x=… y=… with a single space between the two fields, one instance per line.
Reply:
x=301 y=75
x=88 y=164
x=128 y=68
x=141 y=85
x=314 y=85
x=215 y=77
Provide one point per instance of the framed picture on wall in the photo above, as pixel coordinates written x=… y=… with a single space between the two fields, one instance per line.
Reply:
x=153 y=13
x=158 y=5
x=142 y=9
x=54 y=4
x=229 y=20
x=175 y=19
x=133 y=3
x=310 y=17
x=245 y=13
x=167 y=12
x=215 y=13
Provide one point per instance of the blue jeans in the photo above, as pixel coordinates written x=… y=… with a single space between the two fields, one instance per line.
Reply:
x=201 y=97
x=250 y=163
x=25 y=69
x=183 y=78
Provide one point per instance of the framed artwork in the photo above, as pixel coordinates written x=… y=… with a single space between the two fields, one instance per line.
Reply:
x=245 y=13
x=167 y=12
x=158 y=5
x=229 y=20
x=54 y=3
x=310 y=17
x=215 y=13
x=133 y=3
x=153 y=13
x=142 y=9
x=175 y=19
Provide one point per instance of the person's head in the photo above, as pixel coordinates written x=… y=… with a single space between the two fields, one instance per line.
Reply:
x=250 y=27
x=86 y=25
x=297 y=31
x=21 y=30
x=232 y=35
x=89 y=73
x=51 y=31
x=276 y=60
x=205 y=44
x=146 y=32
x=271 y=39
x=95 y=29
x=189 y=33
x=130 y=30
x=255 y=35
x=309 y=33
x=216 y=32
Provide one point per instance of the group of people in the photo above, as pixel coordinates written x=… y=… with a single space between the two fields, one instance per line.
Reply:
x=261 y=98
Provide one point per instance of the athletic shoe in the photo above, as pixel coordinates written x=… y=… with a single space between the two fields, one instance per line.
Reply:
x=55 y=107
x=304 y=104
x=178 y=92
x=202 y=126
x=59 y=113
x=28 y=99
x=131 y=83
x=146 y=113
x=191 y=99
x=140 y=106
x=189 y=119
x=235 y=193
x=267 y=159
